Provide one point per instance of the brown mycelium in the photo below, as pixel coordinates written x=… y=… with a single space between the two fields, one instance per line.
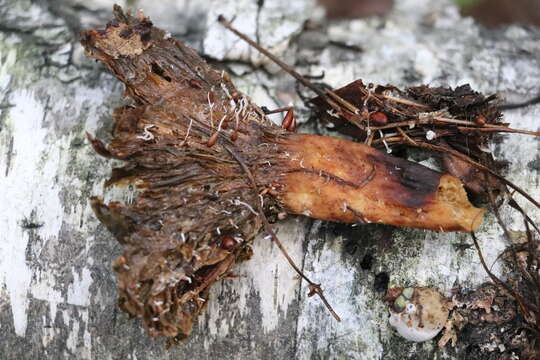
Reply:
x=208 y=162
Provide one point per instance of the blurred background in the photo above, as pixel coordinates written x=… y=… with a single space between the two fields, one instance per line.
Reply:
x=490 y=13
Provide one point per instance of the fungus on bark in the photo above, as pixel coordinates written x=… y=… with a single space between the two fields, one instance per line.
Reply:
x=211 y=168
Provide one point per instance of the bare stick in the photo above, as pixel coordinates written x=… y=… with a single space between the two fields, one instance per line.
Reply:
x=499 y=129
x=276 y=111
x=347 y=105
x=407 y=137
x=516 y=206
x=534 y=274
x=495 y=210
x=272 y=57
x=404 y=101
x=532 y=101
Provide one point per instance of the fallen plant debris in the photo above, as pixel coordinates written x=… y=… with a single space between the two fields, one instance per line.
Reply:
x=506 y=322
x=488 y=322
x=459 y=125
x=214 y=171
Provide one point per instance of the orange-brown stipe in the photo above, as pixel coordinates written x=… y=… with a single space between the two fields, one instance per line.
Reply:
x=339 y=180
x=197 y=211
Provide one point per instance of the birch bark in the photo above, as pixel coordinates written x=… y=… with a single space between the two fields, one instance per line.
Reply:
x=57 y=291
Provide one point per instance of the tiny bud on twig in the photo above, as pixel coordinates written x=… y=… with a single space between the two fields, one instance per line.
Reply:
x=378 y=118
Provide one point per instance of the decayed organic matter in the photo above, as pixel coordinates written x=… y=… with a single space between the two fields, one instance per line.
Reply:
x=212 y=169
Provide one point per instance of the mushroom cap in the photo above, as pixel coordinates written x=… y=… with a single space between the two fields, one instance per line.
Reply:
x=419 y=314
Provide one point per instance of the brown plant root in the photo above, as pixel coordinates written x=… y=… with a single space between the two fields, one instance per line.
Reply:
x=211 y=168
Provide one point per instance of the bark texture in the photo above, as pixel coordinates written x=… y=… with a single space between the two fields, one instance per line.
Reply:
x=57 y=290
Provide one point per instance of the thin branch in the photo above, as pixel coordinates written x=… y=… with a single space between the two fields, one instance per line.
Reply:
x=276 y=111
x=439 y=120
x=272 y=57
x=495 y=210
x=404 y=101
x=407 y=137
x=498 y=281
x=499 y=129
x=532 y=251
x=369 y=139
x=516 y=206
x=533 y=101
x=411 y=122
x=347 y=105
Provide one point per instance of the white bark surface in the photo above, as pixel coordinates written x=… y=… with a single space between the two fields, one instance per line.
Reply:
x=57 y=290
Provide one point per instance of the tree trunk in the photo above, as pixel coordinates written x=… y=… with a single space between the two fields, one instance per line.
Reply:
x=57 y=290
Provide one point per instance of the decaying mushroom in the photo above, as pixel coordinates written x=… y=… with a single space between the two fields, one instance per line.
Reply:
x=212 y=168
x=418 y=314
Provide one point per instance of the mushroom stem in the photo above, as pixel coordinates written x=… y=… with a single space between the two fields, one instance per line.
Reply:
x=181 y=141
x=339 y=180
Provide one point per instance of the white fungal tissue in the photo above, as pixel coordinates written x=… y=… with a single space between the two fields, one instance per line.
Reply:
x=419 y=314
x=430 y=135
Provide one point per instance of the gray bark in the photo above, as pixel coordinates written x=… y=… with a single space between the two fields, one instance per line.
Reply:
x=57 y=290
